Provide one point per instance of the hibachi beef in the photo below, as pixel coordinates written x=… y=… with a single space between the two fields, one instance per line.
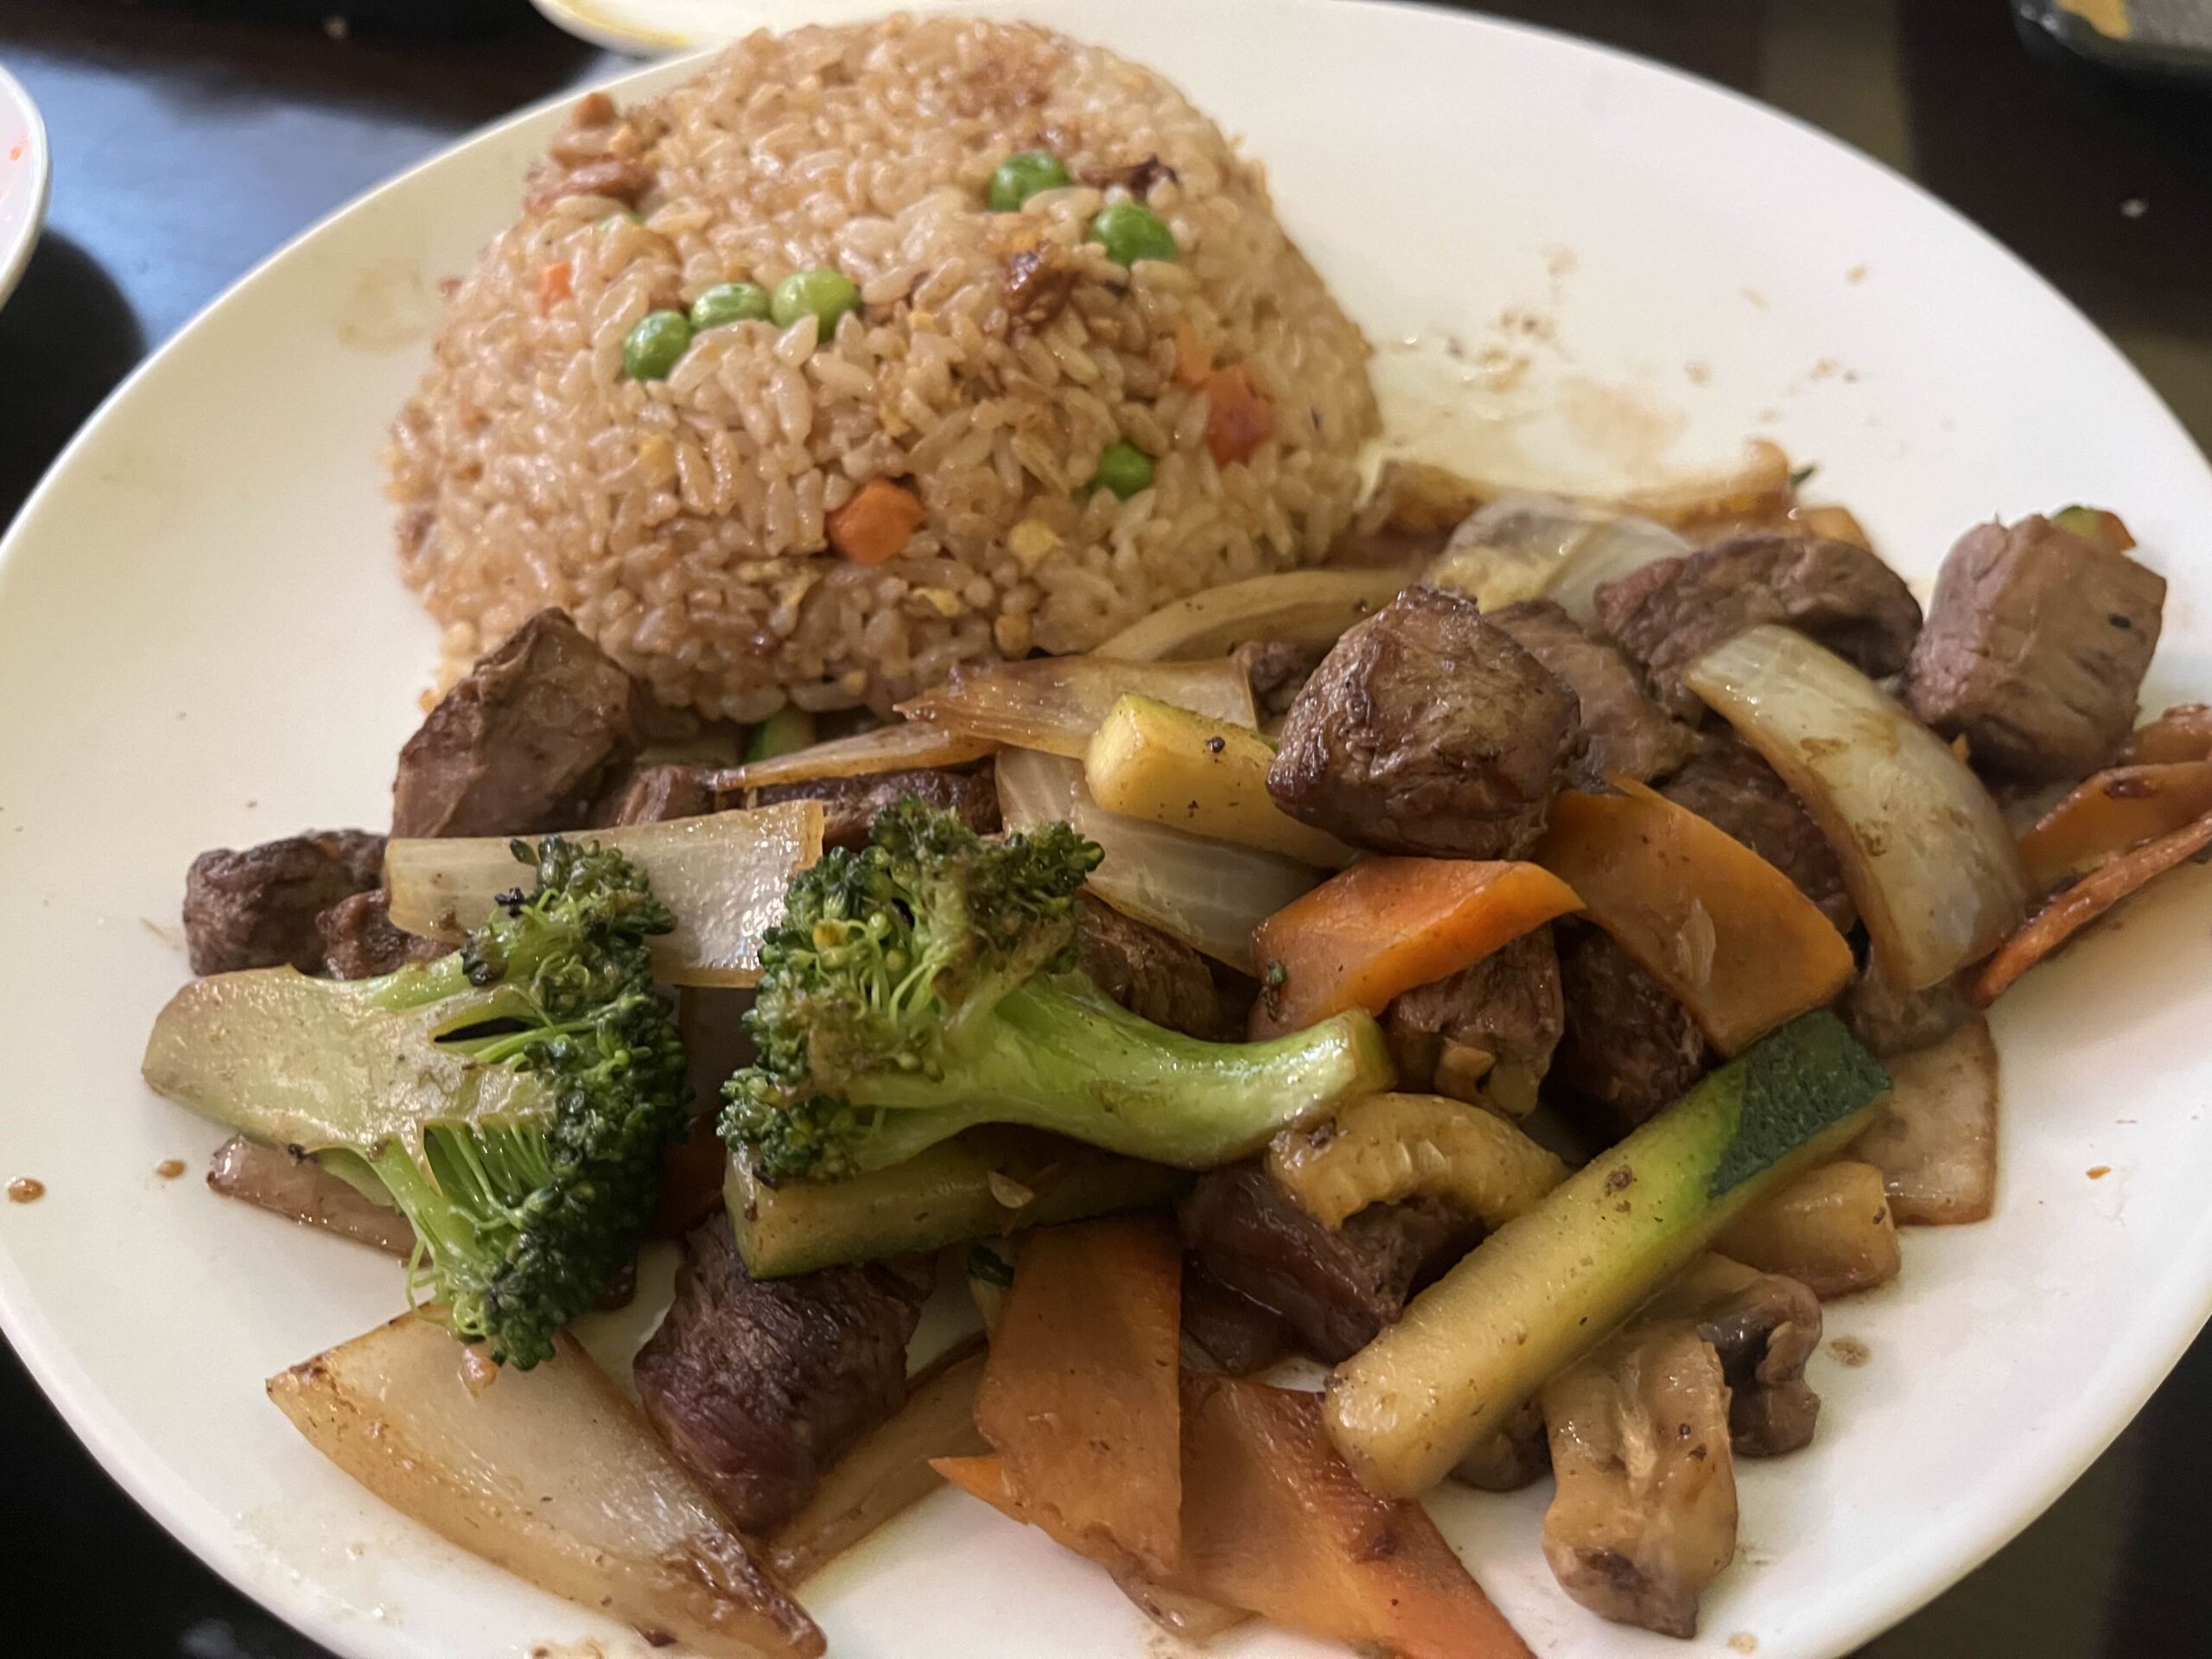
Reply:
x=1426 y=730
x=756 y=1385
x=2035 y=651
x=657 y=794
x=257 y=908
x=1485 y=1034
x=1669 y=613
x=1336 y=1290
x=524 y=742
x=1630 y=1047
x=1728 y=783
x=849 y=805
x=1625 y=731
x=1278 y=670
x=1161 y=979
x=359 y=941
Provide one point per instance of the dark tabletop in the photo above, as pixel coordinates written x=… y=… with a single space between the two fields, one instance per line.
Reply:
x=191 y=139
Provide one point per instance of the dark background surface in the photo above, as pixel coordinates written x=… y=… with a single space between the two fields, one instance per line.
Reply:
x=192 y=137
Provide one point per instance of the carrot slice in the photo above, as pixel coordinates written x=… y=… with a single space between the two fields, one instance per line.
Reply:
x=876 y=524
x=1275 y=1520
x=553 y=285
x=2183 y=733
x=1240 y=418
x=1193 y=357
x=1388 y=925
x=1078 y=1397
x=1713 y=922
x=2112 y=812
x=2081 y=904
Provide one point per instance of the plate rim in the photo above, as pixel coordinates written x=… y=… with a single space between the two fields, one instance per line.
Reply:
x=16 y=259
x=1951 y=1549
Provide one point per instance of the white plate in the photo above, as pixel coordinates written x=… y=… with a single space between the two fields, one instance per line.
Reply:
x=202 y=642
x=24 y=167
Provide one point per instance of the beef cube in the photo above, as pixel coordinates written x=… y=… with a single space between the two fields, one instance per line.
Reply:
x=1336 y=1290
x=1630 y=1048
x=1157 y=978
x=359 y=941
x=2035 y=651
x=1669 y=613
x=1426 y=730
x=1278 y=670
x=849 y=805
x=757 y=1384
x=1625 y=732
x=525 y=743
x=1728 y=783
x=257 y=908
x=1485 y=1034
x=658 y=793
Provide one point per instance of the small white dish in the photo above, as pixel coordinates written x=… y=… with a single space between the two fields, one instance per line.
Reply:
x=26 y=169
x=1560 y=252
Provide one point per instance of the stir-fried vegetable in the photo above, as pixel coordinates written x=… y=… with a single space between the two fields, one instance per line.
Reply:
x=1391 y=1147
x=887 y=1470
x=1305 y=607
x=909 y=747
x=1149 y=760
x=1935 y=1142
x=1078 y=1398
x=1830 y=1230
x=1925 y=851
x=722 y=877
x=930 y=984
x=2081 y=904
x=1209 y=894
x=1725 y=932
x=1760 y=488
x=1535 y=1294
x=2183 y=733
x=1055 y=703
x=552 y=1474
x=2110 y=813
x=1547 y=547
x=1388 y=925
x=986 y=1183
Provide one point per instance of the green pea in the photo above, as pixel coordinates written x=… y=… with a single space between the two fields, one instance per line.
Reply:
x=1130 y=230
x=730 y=302
x=1021 y=176
x=653 y=348
x=825 y=295
x=1122 y=468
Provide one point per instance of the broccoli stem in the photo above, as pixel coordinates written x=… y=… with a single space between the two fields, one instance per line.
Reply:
x=1062 y=1057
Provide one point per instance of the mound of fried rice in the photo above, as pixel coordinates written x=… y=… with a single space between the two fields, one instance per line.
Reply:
x=682 y=522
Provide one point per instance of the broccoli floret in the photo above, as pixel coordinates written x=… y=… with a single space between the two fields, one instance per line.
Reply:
x=930 y=982
x=513 y=1099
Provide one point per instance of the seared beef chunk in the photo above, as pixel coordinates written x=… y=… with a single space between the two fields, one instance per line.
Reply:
x=1893 y=1021
x=1624 y=731
x=1630 y=1048
x=1278 y=670
x=1727 y=783
x=257 y=908
x=656 y=794
x=1426 y=730
x=849 y=805
x=1225 y=1329
x=2035 y=650
x=359 y=941
x=1335 y=1289
x=1162 y=979
x=1485 y=1034
x=525 y=743
x=1669 y=613
x=756 y=1385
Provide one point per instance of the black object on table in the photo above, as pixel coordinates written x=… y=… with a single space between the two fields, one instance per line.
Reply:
x=192 y=138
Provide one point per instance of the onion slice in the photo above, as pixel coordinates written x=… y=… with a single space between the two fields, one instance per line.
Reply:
x=1304 y=607
x=1055 y=703
x=2081 y=904
x=1925 y=851
x=1523 y=547
x=2110 y=813
x=723 y=875
x=914 y=747
x=1207 y=894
